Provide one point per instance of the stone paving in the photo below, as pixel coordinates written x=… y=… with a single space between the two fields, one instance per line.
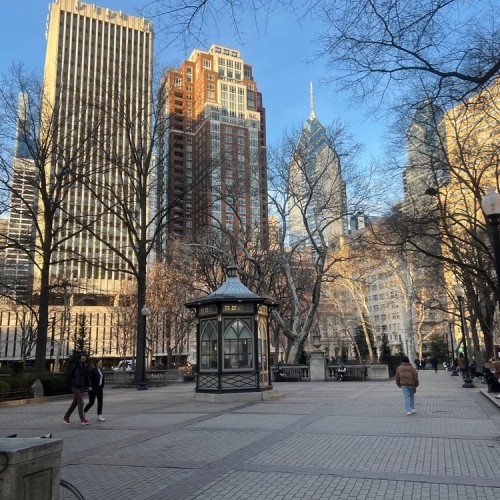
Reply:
x=332 y=440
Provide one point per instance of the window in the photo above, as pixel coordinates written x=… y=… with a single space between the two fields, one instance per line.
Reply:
x=238 y=346
x=208 y=347
x=207 y=63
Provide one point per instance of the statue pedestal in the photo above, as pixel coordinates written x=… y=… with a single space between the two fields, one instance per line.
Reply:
x=317 y=366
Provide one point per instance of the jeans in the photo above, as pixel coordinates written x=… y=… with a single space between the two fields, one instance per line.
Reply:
x=95 y=393
x=77 y=401
x=408 y=398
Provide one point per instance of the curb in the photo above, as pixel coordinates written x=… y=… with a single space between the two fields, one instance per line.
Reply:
x=33 y=401
x=492 y=396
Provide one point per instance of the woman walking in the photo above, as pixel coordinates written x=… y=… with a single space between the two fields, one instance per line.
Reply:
x=407 y=379
x=97 y=383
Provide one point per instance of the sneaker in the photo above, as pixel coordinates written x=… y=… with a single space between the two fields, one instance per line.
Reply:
x=84 y=422
x=413 y=411
x=66 y=420
x=408 y=412
x=100 y=418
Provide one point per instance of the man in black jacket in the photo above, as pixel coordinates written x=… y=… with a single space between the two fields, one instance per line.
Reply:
x=80 y=383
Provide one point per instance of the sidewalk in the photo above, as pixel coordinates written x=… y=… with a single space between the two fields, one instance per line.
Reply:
x=336 y=440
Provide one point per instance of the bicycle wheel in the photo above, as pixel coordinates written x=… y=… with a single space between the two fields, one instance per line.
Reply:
x=69 y=492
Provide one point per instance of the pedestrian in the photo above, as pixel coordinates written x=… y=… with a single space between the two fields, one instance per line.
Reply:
x=417 y=363
x=423 y=363
x=79 y=380
x=407 y=380
x=434 y=363
x=473 y=368
x=461 y=365
x=491 y=380
x=97 y=383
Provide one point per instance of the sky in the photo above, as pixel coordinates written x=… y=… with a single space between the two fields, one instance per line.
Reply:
x=280 y=57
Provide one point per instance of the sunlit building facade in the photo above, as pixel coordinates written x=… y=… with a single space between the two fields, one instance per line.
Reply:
x=215 y=176
x=98 y=62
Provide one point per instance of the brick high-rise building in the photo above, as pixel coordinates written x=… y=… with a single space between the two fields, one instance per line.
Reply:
x=216 y=174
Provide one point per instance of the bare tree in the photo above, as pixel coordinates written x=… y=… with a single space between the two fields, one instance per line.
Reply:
x=375 y=46
x=308 y=203
x=187 y=22
x=38 y=169
x=170 y=285
x=124 y=312
x=387 y=48
x=131 y=195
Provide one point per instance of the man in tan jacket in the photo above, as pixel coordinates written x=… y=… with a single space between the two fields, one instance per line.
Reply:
x=407 y=379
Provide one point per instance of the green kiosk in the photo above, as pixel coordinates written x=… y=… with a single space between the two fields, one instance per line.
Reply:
x=232 y=339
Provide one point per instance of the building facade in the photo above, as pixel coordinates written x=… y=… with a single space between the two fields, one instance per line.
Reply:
x=316 y=188
x=19 y=244
x=215 y=144
x=98 y=64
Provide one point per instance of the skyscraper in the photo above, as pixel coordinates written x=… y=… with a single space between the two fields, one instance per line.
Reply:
x=98 y=64
x=316 y=188
x=216 y=142
x=426 y=170
x=18 y=273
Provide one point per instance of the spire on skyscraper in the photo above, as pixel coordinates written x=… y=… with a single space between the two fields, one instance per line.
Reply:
x=312 y=114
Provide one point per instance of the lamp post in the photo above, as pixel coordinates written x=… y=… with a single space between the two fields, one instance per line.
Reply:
x=452 y=335
x=460 y=294
x=143 y=383
x=490 y=203
x=52 y=342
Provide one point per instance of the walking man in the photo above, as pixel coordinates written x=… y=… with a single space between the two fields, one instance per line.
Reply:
x=79 y=379
x=407 y=380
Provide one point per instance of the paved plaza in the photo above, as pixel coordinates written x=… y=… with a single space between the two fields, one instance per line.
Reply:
x=333 y=440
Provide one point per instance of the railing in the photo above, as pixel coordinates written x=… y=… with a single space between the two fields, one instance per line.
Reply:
x=124 y=377
x=353 y=372
x=291 y=373
x=11 y=395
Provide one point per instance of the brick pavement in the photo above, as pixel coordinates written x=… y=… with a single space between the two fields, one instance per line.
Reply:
x=335 y=440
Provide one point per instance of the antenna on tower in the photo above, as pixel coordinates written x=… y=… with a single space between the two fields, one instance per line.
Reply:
x=312 y=115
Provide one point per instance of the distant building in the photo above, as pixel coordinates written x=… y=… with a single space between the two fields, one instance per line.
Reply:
x=427 y=168
x=20 y=241
x=316 y=189
x=215 y=175
x=95 y=56
x=98 y=63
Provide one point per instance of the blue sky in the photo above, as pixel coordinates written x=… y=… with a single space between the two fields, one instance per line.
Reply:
x=279 y=57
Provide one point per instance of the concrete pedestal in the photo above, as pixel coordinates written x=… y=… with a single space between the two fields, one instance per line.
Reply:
x=30 y=468
x=317 y=366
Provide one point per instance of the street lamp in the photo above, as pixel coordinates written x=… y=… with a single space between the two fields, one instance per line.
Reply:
x=143 y=383
x=452 y=334
x=490 y=203
x=460 y=294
